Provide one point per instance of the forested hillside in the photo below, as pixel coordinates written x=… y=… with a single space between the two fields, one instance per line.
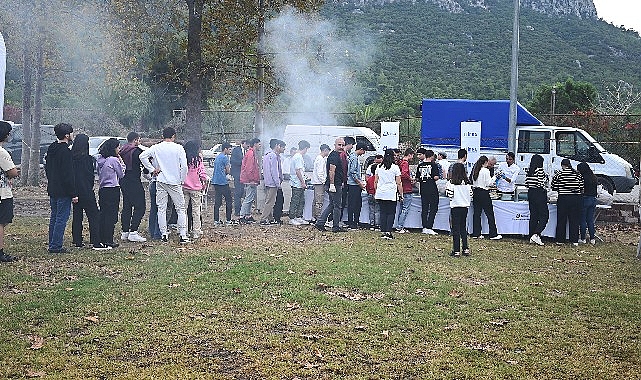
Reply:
x=425 y=51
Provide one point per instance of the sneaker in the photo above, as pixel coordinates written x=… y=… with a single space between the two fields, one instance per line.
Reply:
x=339 y=229
x=4 y=258
x=112 y=245
x=101 y=247
x=402 y=230
x=536 y=239
x=165 y=238
x=497 y=237
x=329 y=224
x=581 y=241
x=185 y=240
x=135 y=237
x=320 y=227
x=455 y=254
x=217 y=223
x=575 y=244
x=303 y=222
x=478 y=237
x=294 y=222
x=250 y=219
x=195 y=236
x=385 y=236
x=372 y=227
x=229 y=223
x=593 y=241
x=466 y=252
x=61 y=250
x=124 y=235
x=429 y=231
x=79 y=245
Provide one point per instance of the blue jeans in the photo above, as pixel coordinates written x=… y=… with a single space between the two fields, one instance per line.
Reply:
x=405 y=208
x=154 y=230
x=60 y=211
x=587 y=216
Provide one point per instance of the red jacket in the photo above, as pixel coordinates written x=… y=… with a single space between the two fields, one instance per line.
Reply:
x=406 y=177
x=249 y=171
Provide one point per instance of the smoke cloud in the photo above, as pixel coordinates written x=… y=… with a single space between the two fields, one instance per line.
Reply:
x=314 y=65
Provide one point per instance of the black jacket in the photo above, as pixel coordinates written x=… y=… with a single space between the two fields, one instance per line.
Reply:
x=59 y=170
x=84 y=175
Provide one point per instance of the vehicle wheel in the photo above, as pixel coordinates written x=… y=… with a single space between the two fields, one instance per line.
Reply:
x=606 y=183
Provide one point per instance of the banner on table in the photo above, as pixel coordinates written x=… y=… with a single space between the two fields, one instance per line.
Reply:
x=471 y=141
x=389 y=135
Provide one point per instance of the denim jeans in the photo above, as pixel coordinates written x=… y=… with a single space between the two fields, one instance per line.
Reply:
x=250 y=197
x=587 y=216
x=60 y=211
x=154 y=230
x=405 y=208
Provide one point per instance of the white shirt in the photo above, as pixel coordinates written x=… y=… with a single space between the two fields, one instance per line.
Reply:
x=445 y=165
x=386 y=186
x=170 y=158
x=484 y=181
x=510 y=172
x=319 y=174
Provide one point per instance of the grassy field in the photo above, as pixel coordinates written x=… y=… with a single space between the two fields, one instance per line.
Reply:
x=291 y=303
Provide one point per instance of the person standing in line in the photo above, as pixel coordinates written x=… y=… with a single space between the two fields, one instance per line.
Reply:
x=333 y=186
x=133 y=194
x=461 y=159
x=250 y=178
x=481 y=182
x=8 y=171
x=389 y=189
x=569 y=184
x=319 y=176
x=427 y=173
x=170 y=168
x=589 y=203
x=152 y=225
x=507 y=173
x=406 y=180
x=219 y=179
x=236 y=162
x=459 y=191
x=370 y=179
x=349 y=144
x=194 y=184
x=537 y=198
x=297 y=182
x=61 y=186
x=111 y=169
x=273 y=175
x=355 y=186
x=445 y=164
x=83 y=171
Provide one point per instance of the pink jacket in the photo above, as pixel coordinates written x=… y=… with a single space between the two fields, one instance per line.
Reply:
x=196 y=176
x=249 y=171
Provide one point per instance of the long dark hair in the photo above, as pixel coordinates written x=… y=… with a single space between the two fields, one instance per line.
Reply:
x=192 y=149
x=458 y=175
x=586 y=172
x=108 y=148
x=477 y=167
x=535 y=163
x=80 y=147
x=388 y=159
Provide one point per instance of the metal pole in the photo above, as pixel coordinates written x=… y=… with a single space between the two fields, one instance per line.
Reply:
x=514 y=83
x=260 y=71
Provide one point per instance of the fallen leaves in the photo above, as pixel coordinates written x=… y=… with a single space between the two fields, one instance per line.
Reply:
x=32 y=374
x=36 y=342
x=92 y=318
x=455 y=293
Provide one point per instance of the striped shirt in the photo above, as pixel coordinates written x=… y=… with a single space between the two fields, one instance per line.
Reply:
x=568 y=182
x=537 y=179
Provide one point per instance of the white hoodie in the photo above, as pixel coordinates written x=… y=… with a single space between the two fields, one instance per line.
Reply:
x=170 y=158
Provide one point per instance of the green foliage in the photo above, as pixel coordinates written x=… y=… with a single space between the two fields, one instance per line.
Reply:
x=566 y=97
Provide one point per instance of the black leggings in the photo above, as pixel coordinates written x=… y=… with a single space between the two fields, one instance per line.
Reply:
x=109 y=199
x=482 y=202
x=388 y=215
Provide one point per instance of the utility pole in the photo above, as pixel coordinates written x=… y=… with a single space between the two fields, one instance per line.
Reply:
x=260 y=71
x=514 y=83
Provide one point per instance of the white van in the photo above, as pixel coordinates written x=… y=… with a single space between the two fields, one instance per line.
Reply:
x=317 y=135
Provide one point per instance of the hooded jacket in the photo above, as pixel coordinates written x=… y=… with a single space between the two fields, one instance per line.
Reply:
x=59 y=170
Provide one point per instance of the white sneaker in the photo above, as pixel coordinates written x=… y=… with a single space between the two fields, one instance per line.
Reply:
x=302 y=221
x=402 y=231
x=575 y=244
x=294 y=222
x=124 y=235
x=497 y=237
x=429 y=231
x=536 y=239
x=582 y=241
x=329 y=224
x=135 y=236
x=593 y=241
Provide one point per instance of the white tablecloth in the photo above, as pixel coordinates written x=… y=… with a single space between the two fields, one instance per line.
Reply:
x=512 y=218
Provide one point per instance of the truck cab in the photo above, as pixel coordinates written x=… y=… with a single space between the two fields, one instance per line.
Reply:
x=556 y=143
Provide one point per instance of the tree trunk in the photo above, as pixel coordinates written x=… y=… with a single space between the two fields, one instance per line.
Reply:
x=194 y=91
x=27 y=84
x=34 y=162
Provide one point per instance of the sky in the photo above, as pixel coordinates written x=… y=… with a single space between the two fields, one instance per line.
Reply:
x=620 y=12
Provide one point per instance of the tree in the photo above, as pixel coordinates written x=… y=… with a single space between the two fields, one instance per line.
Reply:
x=563 y=98
x=617 y=99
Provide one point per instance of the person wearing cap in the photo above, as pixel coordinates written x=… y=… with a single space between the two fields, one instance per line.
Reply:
x=441 y=159
x=319 y=175
x=355 y=186
x=7 y=172
x=222 y=169
x=61 y=185
x=569 y=184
